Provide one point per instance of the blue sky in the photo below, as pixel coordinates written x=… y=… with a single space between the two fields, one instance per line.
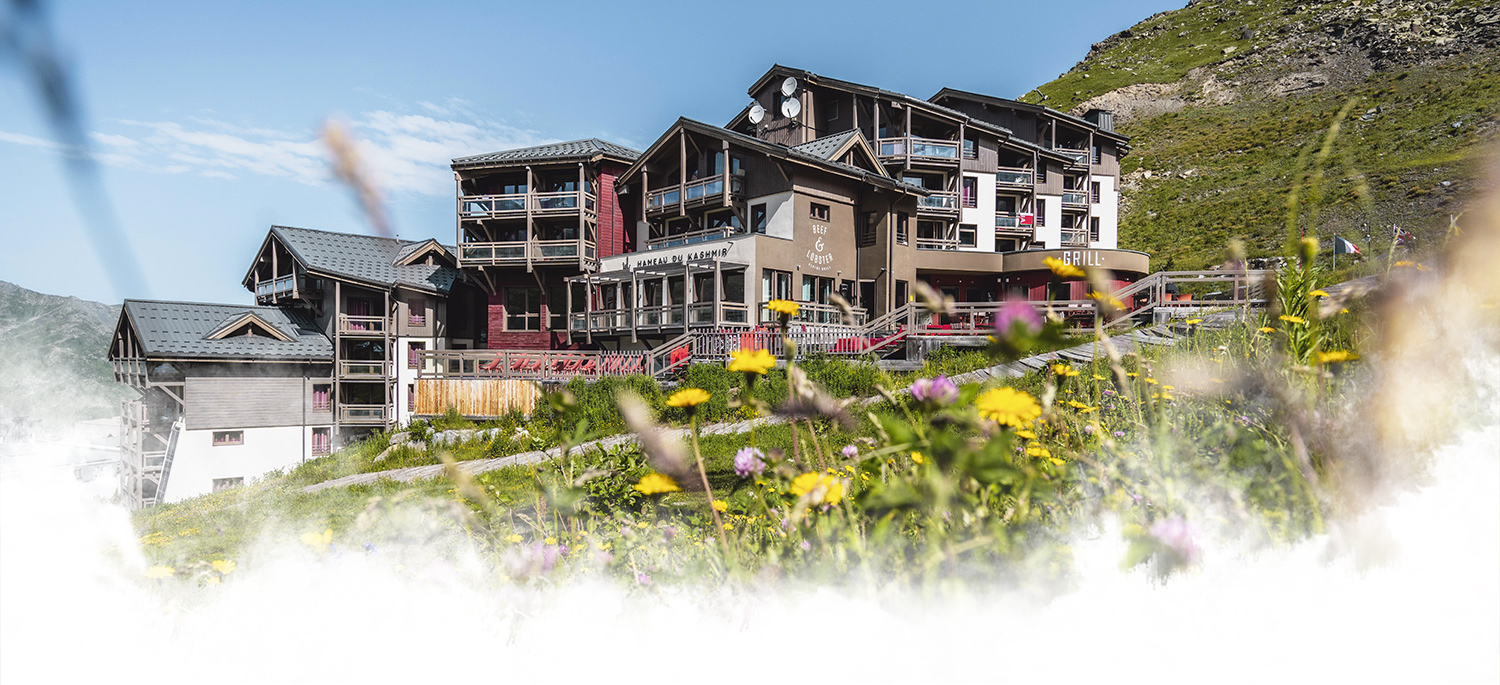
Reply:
x=205 y=115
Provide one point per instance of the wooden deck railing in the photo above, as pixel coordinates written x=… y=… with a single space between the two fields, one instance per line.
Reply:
x=692 y=192
x=364 y=413
x=512 y=252
x=363 y=325
x=914 y=147
x=1015 y=176
x=939 y=201
x=515 y=205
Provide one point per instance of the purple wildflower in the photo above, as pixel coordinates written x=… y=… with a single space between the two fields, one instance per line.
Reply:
x=1244 y=420
x=1016 y=317
x=749 y=461
x=850 y=451
x=805 y=545
x=1119 y=434
x=643 y=578
x=939 y=392
x=1177 y=535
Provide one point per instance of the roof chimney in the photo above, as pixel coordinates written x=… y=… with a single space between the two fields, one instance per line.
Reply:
x=1102 y=118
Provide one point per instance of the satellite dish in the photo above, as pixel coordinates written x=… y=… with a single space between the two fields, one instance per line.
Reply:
x=789 y=86
x=790 y=108
x=757 y=113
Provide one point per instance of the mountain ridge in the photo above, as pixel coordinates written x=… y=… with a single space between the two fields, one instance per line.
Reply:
x=53 y=357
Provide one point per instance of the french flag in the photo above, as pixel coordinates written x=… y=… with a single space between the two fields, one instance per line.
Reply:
x=1341 y=246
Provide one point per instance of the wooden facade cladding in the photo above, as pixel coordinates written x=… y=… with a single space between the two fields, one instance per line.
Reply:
x=214 y=402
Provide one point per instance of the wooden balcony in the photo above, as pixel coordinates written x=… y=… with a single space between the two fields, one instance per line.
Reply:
x=1015 y=177
x=660 y=317
x=939 y=202
x=665 y=201
x=363 y=326
x=1075 y=237
x=366 y=414
x=130 y=371
x=928 y=150
x=521 y=252
x=812 y=313
x=1078 y=157
x=691 y=237
x=356 y=369
x=519 y=205
x=1076 y=200
x=937 y=243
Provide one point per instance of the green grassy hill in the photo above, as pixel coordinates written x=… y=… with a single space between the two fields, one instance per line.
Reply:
x=1229 y=105
x=52 y=357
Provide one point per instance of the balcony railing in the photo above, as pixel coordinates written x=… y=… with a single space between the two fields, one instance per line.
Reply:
x=1007 y=221
x=654 y=317
x=516 y=251
x=937 y=243
x=1078 y=156
x=1014 y=176
x=1075 y=199
x=691 y=237
x=360 y=368
x=362 y=325
x=691 y=193
x=816 y=314
x=273 y=289
x=919 y=148
x=938 y=202
x=363 y=413
x=1075 y=238
x=515 y=204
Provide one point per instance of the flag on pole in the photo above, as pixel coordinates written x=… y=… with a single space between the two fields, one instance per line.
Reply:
x=1341 y=246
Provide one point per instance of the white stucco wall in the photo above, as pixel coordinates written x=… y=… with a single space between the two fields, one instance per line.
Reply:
x=779 y=214
x=1108 y=211
x=982 y=216
x=1049 y=232
x=197 y=462
x=405 y=375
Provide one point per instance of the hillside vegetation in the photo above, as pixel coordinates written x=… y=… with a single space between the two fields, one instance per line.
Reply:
x=52 y=357
x=1230 y=105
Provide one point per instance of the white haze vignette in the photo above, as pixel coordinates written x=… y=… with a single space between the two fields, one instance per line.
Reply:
x=75 y=607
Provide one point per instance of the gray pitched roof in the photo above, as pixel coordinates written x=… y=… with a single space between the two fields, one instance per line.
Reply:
x=180 y=330
x=827 y=146
x=572 y=149
x=365 y=258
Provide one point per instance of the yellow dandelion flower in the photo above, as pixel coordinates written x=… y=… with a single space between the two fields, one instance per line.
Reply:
x=721 y=505
x=159 y=572
x=1064 y=370
x=688 y=397
x=318 y=540
x=513 y=538
x=1023 y=433
x=917 y=457
x=1193 y=322
x=1151 y=381
x=1106 y=299
x=751 y=361
x=1086 y=410
x=1077 y=405
x=1132 y=374
x=1292 y=319
x=1036 y=450
x=1063 y=269
x=1008 y=407
x=1318 y=293
x=1336 y=356
x=656 y=484
x=1098 y=377
x=832 y=488
x=642 y=525
x=549 y=540
x=786 y=307
x=211 y=580
x=224 y=566
x=1266 y=329
x=1056 y=461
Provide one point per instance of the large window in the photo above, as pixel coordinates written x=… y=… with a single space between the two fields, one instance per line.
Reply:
x=416 y=311
x=734 y=286
x=221 y=484
x=228 y=438
x=1093 y=229
x=775 y=285
x=320 y=393
x=557 y=307
x=1041 y=212
x=322 y=440
x=1094 y=192
x=901 y=293
x=414 y=354
x=758 y=218
x=523 y=309
x=970 y=195
x=901 y=228
x=867 y=230
x=816 y=289
x=971 y=150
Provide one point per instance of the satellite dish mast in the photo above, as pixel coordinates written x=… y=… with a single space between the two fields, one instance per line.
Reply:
x=790 y=108
x=757 y=113
x=789 y=86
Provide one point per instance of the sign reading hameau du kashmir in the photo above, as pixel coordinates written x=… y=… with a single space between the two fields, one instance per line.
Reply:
x=740 y=251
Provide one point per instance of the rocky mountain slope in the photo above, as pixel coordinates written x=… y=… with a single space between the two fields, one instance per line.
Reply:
x=1230 y=104
x=52 y=357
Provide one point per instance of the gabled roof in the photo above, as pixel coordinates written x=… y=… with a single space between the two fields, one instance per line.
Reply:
x=774 y=150
x=182 y=330
x=364 y=259
x=835 y=146
x=589 y=149
x=1024 y=106
x=411 y=252
x=251 y=321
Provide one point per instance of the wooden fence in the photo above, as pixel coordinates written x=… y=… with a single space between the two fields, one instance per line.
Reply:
x=474 y=397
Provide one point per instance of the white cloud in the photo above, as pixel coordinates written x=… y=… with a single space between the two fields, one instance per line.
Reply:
x=403 y=153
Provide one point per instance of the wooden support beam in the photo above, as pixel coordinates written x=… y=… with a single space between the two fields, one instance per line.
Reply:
x=530 y=189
